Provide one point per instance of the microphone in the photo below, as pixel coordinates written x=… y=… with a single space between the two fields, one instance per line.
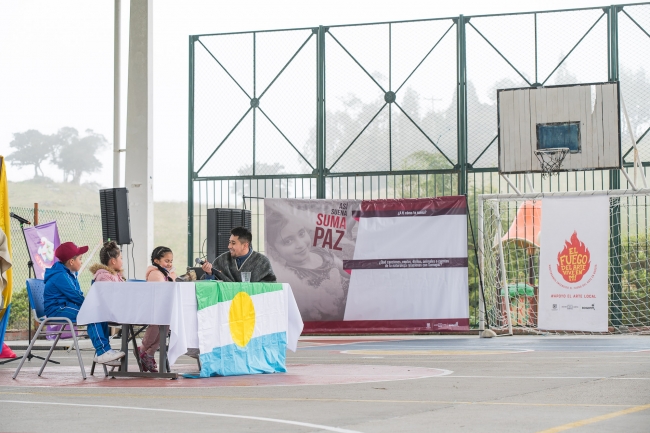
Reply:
x=201 y=262
x=19 y=218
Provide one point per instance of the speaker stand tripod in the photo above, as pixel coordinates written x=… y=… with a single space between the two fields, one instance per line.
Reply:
x=30 y=266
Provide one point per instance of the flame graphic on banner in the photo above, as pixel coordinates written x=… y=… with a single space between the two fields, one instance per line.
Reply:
x=574 y=260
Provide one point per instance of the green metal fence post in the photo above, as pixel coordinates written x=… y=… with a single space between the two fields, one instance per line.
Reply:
x=190 y=158
x=461 y=101
x=615 y=270
x=320 y=112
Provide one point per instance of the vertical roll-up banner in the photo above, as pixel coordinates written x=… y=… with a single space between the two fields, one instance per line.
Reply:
x=374 y=265
x=42 y=241
x=573 y=264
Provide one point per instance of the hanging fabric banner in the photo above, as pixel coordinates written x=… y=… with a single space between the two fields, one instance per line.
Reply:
x=573 y=264
x=375 y=265
x=6 y=278
x=42 y=240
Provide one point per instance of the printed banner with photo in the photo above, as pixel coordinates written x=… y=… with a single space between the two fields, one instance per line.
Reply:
x=372 y=266
x=573 y=264
x=42 y=240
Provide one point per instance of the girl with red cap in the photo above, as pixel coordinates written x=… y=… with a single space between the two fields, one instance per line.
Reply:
x=63 y=298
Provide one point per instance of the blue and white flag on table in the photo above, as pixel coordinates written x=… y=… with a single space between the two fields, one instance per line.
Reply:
x=244 y=327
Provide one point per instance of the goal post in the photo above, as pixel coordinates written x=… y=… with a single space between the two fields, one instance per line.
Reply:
x=509 y=240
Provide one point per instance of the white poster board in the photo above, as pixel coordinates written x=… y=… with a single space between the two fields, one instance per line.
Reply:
x=573 y=264
x=373 y=265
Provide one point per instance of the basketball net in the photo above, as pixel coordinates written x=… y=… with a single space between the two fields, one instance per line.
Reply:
x=551 y=159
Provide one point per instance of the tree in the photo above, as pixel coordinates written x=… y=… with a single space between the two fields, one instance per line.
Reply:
x=32 y=148
x=76 y=155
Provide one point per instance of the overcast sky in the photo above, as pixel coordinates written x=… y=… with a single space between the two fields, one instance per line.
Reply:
x=57 y=62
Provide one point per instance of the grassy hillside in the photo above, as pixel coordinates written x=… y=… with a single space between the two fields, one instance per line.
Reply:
x=170 y=218
x=55 y=196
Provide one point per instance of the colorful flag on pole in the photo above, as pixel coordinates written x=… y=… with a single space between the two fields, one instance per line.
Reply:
x=42 y=240
x=5 y=253
x=242 y=328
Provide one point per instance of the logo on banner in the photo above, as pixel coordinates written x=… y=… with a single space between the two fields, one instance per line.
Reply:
x=42 y=240
x=574 y=260
x=573 y=263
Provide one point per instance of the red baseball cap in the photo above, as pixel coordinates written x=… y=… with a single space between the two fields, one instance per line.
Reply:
x=68 y=250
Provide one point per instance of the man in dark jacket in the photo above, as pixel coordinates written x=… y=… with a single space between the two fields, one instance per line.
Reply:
x=63 y=298
x=240 y=258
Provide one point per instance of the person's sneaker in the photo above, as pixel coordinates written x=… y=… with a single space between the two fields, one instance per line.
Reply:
x=114 y=363
x=148 y=362
x=153 y=367
x=108 y=356
x=142 y=357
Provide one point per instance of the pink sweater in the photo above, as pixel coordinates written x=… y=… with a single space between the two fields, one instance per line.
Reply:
x=153 y=274
x=104 y=273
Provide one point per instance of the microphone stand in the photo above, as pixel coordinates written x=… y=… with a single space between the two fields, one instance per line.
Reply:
x=31 y=273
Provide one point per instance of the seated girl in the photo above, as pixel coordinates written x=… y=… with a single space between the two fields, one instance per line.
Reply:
x=161 y=270
x=110 y=268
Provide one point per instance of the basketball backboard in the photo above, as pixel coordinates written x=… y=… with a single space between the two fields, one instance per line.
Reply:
x=585 y=118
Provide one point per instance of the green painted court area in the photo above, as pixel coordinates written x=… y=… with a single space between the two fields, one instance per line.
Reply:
x=360 y=384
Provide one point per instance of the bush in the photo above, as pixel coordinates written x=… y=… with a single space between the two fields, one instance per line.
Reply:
x=18 y=317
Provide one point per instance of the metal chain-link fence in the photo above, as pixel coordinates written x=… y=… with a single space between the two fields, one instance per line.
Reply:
x=396 y=109
x=634 y=61
x=82 y=229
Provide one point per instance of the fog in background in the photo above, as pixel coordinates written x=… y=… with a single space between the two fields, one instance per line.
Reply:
x=57 y=68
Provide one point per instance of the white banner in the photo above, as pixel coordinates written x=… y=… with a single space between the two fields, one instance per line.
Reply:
x=372 y=265
x=573 y=264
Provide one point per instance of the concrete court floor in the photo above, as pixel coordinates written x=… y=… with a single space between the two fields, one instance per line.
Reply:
x=506 y=384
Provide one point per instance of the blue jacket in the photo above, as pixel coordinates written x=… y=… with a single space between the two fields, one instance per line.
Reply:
x=61 y=289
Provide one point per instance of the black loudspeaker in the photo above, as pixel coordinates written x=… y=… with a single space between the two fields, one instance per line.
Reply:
x=116 y=225
x=220 y=222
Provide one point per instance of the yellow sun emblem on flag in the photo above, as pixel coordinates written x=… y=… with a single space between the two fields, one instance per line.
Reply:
x=241 y=319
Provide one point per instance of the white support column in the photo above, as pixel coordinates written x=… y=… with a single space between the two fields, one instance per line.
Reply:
x=117 y=30
x=139 y=133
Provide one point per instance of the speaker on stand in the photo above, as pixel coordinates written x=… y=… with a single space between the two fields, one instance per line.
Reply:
x=220 y=223
x=116 y=225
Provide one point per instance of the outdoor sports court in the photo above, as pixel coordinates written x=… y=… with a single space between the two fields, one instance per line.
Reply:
x=361 y=384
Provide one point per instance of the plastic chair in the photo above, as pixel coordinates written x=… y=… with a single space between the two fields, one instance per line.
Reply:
x=35 y=292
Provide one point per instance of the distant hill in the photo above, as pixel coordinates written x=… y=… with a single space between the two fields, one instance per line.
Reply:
x=170 y=218
x=55 y=196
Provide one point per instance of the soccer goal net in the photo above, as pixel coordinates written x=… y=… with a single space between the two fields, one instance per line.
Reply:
x=509 y=245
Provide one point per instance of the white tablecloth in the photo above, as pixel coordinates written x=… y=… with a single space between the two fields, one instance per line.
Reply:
x=172 y=304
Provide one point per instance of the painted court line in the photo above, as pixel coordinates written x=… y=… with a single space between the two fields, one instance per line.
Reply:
x=435 y=352
x=315 y=400
x=188 y=412
x=533 y=346
x=548 y=377
x=595 y=419
x=384 y=378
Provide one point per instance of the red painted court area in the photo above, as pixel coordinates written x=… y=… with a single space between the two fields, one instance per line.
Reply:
x=298 y=374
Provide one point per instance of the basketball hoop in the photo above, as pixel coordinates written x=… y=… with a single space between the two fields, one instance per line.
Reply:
x=551 y=159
